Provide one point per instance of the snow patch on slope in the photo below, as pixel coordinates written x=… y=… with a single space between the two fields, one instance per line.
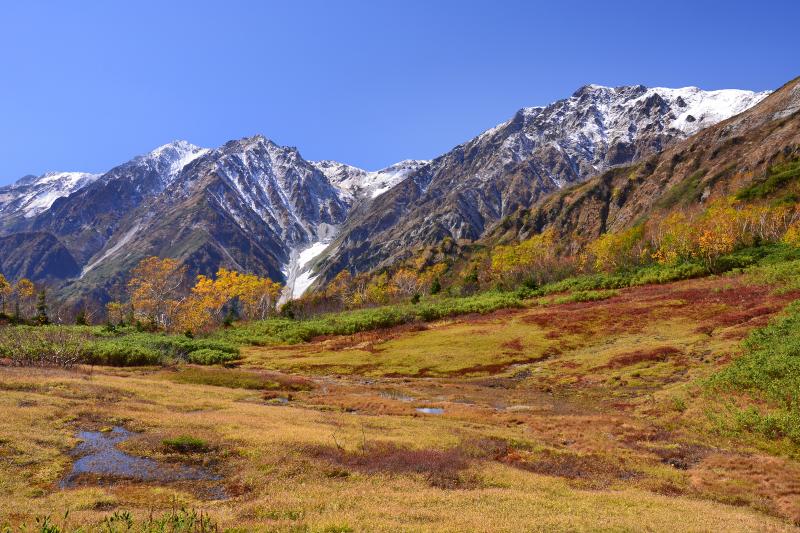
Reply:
x=704 y=108
x=354 y=182
x=299 y=276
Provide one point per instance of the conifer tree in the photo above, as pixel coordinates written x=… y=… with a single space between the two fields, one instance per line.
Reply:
x=41 y=309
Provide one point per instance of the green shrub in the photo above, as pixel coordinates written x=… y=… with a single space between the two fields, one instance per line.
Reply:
x=769 y=370
x=777 y=178
x=46 y=346
x=174 y=521
x=121 y=352
x=586 y=296
x=186 y=444
x=286 y=330
x=132 y=348
x=210 y=356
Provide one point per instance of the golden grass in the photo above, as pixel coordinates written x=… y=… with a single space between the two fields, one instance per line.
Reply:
x=588 y=430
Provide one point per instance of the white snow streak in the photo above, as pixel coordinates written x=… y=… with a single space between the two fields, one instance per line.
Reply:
x=111 y=251
x=299 y=276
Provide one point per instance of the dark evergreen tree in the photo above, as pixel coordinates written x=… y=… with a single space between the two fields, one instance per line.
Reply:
x=41 y=309
x=436 y=286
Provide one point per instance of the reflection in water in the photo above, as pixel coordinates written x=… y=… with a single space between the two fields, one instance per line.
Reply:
x=98 y=455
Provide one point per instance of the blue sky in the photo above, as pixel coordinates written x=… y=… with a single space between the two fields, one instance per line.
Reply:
x=87 y=85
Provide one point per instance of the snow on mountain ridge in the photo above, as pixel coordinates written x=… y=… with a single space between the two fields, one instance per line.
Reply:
x=356 y=182
x=595 y=118
x=170 y=159
x=31 y=196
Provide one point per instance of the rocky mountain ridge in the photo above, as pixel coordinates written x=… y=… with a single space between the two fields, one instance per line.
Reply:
x=256 y=206
x=464 y=192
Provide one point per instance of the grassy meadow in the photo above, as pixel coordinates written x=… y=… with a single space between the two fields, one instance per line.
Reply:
x=662 y=398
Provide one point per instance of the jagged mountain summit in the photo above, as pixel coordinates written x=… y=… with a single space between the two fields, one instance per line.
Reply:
x=256 y=206
x=464 y=192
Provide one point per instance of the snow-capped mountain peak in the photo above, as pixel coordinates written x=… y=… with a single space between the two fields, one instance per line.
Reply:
x=33 y=195
x=254 y=205
x=170 y=159
x=354 y=182
x=598 y=127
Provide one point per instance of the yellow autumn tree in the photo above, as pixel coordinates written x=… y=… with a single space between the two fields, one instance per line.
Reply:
x=531 y=259
x=116 y=312
x=6 y=290
x=792 y=235
x=719 y=231
x=378 y=290
x=339 y=289
x=674 y=238
x=258 y=296
x=432 y=274
x=25 y=292
x=154 y=290
x=612 y=251
x=204 y=307
x=764 y=222
x=358 y=290
x=405 y=282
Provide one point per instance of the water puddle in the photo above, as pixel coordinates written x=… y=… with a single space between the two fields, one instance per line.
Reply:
x=98 y=457
x=431 y=410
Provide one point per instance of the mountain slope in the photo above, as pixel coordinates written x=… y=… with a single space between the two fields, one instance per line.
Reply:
x=540 y=150
x=722 y=160
x=36 y=255
x=86 y=219
x=249 y=205
x=255 y=206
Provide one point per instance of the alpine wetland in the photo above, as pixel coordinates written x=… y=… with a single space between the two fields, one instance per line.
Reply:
x=583 y=317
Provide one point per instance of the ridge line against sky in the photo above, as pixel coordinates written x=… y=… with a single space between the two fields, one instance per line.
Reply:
x=89 y=85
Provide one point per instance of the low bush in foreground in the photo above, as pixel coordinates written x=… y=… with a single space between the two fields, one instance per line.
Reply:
x=45 y=346
x=66 y=346
x=174 y=521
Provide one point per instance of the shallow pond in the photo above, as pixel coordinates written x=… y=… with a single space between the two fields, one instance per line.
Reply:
x=98 y=455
